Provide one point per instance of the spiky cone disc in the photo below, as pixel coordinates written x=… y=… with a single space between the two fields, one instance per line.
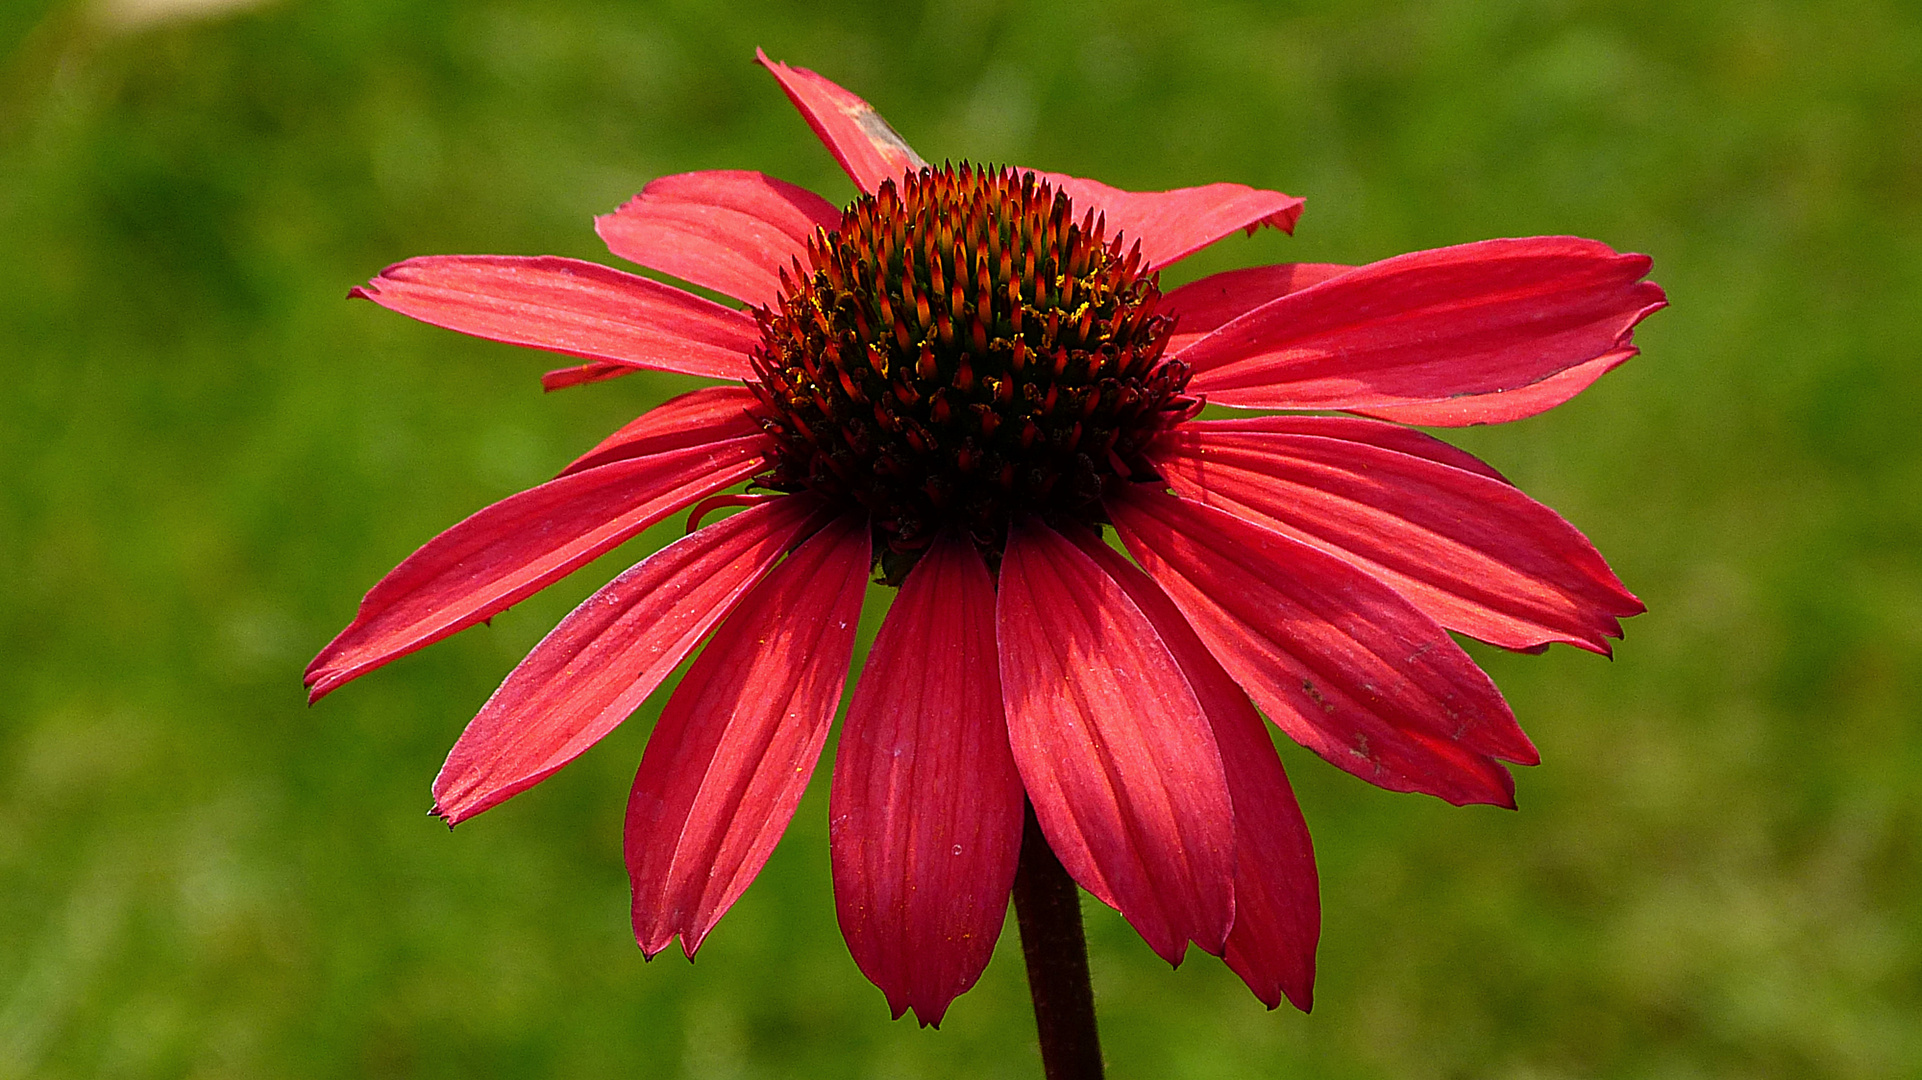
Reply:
x=961 y=352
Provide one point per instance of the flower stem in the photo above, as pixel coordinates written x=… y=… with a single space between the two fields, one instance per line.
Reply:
x=1047 y=906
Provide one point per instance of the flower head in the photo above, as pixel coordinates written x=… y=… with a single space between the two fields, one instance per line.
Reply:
x=958 y=383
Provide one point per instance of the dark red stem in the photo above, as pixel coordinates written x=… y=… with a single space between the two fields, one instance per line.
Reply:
x=1047 y=905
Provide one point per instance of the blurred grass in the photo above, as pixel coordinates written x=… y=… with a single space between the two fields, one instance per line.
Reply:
x=206 y=456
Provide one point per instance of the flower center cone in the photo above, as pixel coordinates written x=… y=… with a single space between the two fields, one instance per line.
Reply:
x=962 y=352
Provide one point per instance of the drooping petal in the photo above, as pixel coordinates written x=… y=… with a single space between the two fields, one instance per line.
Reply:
x=1277 y=896
x=1114 y=749
x=1205 y=306
x=925 y=812
x=1336 y=659
x=738 y=740
x=519 y=546
x=1473 y=553
x=864 y=144
x=732 y=231
x=1172 y=225
x=710 y=414
x=1277 y=892
x=1467 y=325
x=568 y=306
x=606 y=657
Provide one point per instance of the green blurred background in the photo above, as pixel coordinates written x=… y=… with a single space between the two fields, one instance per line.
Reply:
x=207 y=454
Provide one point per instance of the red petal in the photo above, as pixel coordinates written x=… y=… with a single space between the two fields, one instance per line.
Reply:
x=1114 y=750
x=1430 y=327
x=1206 y=305
x=1499 y=407
x=603 y=660
x=1277 y=898
x=1277 y=892
x=569 y=306
x=582 y=374
x=731 y=231
x=738 y=740
x=1335 y=658
x=1355 y=429
x=1172 y=225
x=864 y=144
x=925 y=814
x=519 y=546
x=710 y=414
x=1473 y=553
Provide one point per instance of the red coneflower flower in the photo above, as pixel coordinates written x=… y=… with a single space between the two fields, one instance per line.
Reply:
x=958 y=382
